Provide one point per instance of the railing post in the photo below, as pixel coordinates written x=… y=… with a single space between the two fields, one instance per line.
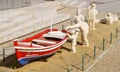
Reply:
x=82 y=62
x=103 y=44
x=110 y=38
x=62 y=27
x=116 y=33
x=94 y=51
x=71 y=22
x=68 y=70
x=3 y=54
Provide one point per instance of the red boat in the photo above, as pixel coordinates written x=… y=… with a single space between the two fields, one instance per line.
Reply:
x=40 y=45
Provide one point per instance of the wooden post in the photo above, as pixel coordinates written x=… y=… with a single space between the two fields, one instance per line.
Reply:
x=103 y=43
x=94 y=51
x=82 y=62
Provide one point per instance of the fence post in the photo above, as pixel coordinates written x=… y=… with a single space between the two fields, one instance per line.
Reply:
x=110 y=38
x=116 y=33
x=103 y=43
x=68 y=70
x=82 y=62
x=3 y=54
x=71 y=22
x=62 y=27
x=94 y=51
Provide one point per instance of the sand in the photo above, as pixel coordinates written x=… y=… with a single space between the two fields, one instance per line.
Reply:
x=59 y=62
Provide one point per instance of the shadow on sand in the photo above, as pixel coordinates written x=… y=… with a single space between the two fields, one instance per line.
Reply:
x=67 y=49
x=12 y=62
x=78 y=43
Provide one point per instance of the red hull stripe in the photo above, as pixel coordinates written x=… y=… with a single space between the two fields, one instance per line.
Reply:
x=39 y=55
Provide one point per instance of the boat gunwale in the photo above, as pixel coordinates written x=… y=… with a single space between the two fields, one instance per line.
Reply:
x=38 y=48
x=42 y=47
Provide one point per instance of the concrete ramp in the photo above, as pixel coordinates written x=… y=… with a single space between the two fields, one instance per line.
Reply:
x=17 y=22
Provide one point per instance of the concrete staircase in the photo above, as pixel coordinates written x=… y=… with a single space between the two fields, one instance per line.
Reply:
x=74 y=3
x=17 y=22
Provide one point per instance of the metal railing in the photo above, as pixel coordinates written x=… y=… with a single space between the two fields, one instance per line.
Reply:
x=97 y=50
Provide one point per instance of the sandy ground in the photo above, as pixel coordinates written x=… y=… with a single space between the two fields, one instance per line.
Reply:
x=64 y=59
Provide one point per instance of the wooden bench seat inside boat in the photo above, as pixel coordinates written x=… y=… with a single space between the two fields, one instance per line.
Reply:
x=43 y=42
x=28 y=44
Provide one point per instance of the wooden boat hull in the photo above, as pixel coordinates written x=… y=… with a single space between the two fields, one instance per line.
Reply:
x=25 y=54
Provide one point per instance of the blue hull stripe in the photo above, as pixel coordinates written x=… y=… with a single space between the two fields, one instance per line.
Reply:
x=26 y=60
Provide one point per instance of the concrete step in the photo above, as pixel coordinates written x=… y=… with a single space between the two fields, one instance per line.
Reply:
x=18 y=25
x=81 y=4
x=7 y=15
x=13 y=21
x=67 y=2
x=75 y=3
x=52 y=4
